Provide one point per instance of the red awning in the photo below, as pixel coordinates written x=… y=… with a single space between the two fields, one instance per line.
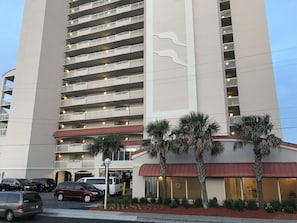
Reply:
x=222 y=170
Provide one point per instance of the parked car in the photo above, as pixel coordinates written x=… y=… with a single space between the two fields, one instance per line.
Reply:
x=16 y=204
x=6 y=187
x=115 y=183
x=20 y=184
x=44 y=184
x=76 y=190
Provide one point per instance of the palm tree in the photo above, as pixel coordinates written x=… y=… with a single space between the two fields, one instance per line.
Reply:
x=195 y=132
x=158 y=144
x=257 y=130
x=106 y=145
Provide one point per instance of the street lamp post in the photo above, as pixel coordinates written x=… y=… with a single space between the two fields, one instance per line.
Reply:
x=107 y=162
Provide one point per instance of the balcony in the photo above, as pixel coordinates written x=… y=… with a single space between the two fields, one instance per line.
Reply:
x=229 y=64
x=228 y=47
x=119 y=96
x=107 y=26
x=233 y=101
x=231 y=82
x=104 y=54
x=234 y=119
x=92 y=43
x=105 y=14
x=91 y=5
x=3 y=131
x=4 y=117
x=225 y=13
x=227 y=30
x=123 y=80
x=75 y=164
x=72 y=148
x=104 y=68
x=108 y=113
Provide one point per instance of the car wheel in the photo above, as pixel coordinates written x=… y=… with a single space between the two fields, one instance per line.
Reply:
x=60 y=197
x=87 y=198
x=9 y=216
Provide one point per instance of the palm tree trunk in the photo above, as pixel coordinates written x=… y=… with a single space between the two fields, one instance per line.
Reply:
x=164 y=175
x=201 y=177
x=258 y=168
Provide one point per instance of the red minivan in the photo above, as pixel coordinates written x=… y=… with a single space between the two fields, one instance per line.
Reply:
x=75 y=190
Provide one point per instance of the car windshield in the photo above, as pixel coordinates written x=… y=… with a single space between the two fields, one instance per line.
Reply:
x=89 y=186
x=24 y=181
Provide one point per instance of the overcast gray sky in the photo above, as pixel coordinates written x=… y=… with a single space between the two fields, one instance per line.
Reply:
x=282 y=19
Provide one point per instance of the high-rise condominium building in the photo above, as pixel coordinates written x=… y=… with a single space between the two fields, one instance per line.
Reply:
x=86 y=68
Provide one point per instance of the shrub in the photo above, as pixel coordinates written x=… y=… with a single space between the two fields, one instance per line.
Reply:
x=143 y=200
x=289 y=203
x=160 y=200
x=153 y=200
x=252 y=205
x=238 y=205
x=126 y=200
x=134 y=200
x=276 y=205
x=167 y=201
x=270 y=209
x=198 y=202
x=177 y=201
x=185 y=203
x=289 y=209
x=228 y=204
x=212 y=203
x=173 y=204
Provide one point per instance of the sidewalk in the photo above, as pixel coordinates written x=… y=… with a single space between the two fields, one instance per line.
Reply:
x=159 y=218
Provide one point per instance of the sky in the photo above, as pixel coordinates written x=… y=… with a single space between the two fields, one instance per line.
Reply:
x=281 y=17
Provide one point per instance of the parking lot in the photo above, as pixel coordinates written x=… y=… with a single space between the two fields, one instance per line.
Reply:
x=50 y=201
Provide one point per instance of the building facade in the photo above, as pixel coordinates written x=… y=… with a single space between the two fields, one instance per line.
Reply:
x=86 y=68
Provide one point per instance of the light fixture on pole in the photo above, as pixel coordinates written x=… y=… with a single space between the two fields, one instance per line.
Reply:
x=107 y=162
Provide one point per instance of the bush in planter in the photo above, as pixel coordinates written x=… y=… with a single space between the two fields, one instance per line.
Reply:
x=143 y=200
x=185 y=203
x=212 y=203
x=160 y=200
x=238 y=205
x=134 y=200
x=276 y=205
x=173 y=204
x=198 y=202
x=177 y=201
x=289 y=209
x=289 y=203
x=252 y=205
x=228 y=204
x=153 y=200
x=167 y=201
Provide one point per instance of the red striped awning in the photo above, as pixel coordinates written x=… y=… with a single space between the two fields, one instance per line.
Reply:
x=221 y=170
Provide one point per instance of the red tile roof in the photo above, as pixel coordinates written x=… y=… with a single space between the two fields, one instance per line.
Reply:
x=222 y=170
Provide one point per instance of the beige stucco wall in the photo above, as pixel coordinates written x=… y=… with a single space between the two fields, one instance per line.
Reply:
x=29 y=148
x=256 y=85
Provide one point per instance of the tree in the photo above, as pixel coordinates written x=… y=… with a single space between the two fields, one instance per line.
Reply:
x=257 y=130
x=195 y=132
x=158 y=144
x=106 y=145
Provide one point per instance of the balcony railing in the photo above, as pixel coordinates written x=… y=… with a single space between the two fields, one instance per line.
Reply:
x=108 y=113
x=228 y=46
x=227 y=30
x=101 y=15
x=231 y=82
x=233 y=101
x=4 y=117
x=72 y=148
x=104 y=68
x=225 y=13
x=104 y=54
x=91 y=5
x=103 y=98
x=234 y=119
x=107 y=26
x=229 y=64
x=74 y=164
x=3 y=131
x=104 y=40
x=103 y=83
